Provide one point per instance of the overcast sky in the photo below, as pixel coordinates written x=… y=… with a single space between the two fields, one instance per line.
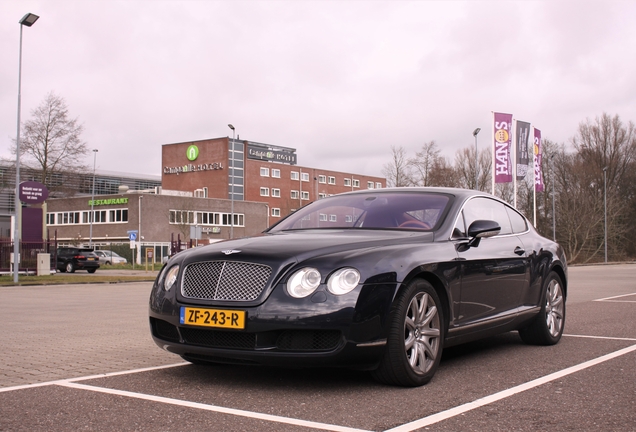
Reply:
x=340 y=81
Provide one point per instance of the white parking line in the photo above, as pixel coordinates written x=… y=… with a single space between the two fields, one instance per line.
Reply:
x=444 y=415
x=219 y=409
x=601 y=337
x=47 y=383
x=407 y=427
x=611 y=299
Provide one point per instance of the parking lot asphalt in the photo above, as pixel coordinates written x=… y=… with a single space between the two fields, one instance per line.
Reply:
x=81 y=357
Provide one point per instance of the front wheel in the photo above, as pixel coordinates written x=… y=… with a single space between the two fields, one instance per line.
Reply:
x=547 y=327
x=416 y=337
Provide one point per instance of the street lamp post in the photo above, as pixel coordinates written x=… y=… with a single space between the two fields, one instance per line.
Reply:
x=27 y=20
x=605 y=205
x=90 y=235
x=475 y=132
x=232 y=183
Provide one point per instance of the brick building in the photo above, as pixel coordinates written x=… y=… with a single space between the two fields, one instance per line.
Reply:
x=254 y=171
x=203 y=183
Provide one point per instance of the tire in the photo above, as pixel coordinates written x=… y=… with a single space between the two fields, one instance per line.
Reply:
x=70 y=268
x=547 y=327
x=107 y=263
x=416 y=337
x=91 y=270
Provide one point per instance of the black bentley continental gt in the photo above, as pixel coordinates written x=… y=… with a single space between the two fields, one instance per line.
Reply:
x=380 y=279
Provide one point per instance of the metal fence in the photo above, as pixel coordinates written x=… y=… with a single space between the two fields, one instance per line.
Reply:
x=28 y=255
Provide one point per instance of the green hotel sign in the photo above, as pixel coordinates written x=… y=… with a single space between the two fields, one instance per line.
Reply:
x=110 y=201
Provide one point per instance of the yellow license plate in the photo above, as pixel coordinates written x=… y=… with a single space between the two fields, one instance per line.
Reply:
x=223 y=318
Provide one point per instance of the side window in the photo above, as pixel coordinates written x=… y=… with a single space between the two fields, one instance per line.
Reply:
x=518 y=222
x=487 y=209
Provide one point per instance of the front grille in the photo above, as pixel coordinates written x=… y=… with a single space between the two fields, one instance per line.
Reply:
x=308 y=340
x=224 y=280
x=218 y=339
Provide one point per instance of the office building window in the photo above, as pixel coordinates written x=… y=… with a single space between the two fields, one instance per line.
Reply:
x=294 y=175
x=264 y=172
x=275 y=173
x=276 y=193
x=276 y=212
x=264 y=191
x=322 y=179
x=332 y=180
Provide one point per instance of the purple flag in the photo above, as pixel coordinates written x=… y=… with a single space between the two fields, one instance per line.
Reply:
x=503 y=144
x=538 y=157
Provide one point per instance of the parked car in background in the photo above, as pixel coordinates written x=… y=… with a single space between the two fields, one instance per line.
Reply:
x=110 y=257
x=70 y=259
x=380 y=279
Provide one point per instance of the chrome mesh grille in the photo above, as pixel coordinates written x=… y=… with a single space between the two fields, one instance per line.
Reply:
x=224 y=280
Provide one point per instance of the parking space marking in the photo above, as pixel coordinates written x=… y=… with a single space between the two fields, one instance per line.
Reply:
x=611 y=299
x=407 y=427
x=104 y=375
x=601 y=337
x=214 y=408
x=444 y=415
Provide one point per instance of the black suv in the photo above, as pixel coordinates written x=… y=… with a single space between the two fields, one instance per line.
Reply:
x=70 y=259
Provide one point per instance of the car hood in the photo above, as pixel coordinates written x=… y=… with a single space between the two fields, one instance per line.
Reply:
x=300 y=245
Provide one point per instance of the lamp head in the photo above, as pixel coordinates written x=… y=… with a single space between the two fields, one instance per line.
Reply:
x=29 y=19
x=476 y=131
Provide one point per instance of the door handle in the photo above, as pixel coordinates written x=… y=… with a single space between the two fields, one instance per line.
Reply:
x=519 y=251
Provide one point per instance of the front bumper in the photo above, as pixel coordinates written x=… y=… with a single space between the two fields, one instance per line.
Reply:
x=320 y=330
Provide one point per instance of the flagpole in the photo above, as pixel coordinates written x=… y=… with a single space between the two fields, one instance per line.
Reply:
x=534 y=179
x=492 y=149
x=513 y=157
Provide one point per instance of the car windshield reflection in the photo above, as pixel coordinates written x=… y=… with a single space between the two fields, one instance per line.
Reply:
x=383 y=210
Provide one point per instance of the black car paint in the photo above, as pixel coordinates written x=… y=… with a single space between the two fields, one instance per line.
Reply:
x=387 y=260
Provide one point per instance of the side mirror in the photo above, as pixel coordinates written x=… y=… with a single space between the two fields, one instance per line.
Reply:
x=481 y=229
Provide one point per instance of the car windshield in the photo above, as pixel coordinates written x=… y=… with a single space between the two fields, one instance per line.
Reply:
x=383 y=210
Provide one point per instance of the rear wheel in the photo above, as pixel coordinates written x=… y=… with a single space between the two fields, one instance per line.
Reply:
x=70 y=267
x=547 y=327
x=416 y=337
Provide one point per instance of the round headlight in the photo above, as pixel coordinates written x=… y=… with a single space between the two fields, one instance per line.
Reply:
x=343 y=281
x=171 y=277
x=303 y=282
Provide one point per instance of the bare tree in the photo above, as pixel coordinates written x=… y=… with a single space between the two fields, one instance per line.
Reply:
x=397 y=171
x=607 y=151
x=51 y=143
x=465 y=167
x=443 y=174
x=424 y=162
